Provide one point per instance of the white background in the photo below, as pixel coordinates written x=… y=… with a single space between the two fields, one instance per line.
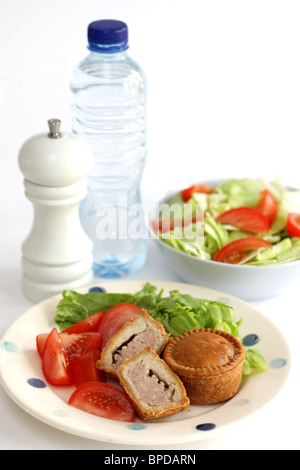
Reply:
x=223 y=100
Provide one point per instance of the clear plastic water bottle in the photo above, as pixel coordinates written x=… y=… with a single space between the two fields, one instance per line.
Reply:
x=108 y=91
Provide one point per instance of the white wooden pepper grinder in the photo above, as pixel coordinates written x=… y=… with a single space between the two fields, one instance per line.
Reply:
x=57 y=254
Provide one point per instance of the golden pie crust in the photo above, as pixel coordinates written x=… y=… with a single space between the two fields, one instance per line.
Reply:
x=209 y=363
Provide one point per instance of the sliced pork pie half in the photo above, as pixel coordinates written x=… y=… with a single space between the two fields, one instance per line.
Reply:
x=141 y=331
x=154 y=389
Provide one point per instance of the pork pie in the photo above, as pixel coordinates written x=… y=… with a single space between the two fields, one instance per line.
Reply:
x=209 y=363
x=141 y=331
x=154 y=389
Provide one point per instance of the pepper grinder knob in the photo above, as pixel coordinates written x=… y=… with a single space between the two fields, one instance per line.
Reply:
x=57 y=254
x=54 y=125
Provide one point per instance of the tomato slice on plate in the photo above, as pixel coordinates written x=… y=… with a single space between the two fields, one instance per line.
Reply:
x=83 y=369
x=293 y=225
x=76 y=345
x=246 y=218
x=186 y=194
x=235 y=251
x=89 y=324
x=40 y=342
x=104 y=400
x=55 y=360
x=115 y=318
x=267 y=204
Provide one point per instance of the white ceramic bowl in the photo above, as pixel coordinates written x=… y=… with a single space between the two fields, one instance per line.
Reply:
x=245 y=282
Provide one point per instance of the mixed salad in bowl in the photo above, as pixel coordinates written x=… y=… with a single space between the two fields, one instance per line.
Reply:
x=239 y=221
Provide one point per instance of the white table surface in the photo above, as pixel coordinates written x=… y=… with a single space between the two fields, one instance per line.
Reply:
x=231 y=110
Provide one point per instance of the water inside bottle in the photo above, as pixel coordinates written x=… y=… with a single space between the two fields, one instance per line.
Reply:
x=108 y=111
x=118 y=230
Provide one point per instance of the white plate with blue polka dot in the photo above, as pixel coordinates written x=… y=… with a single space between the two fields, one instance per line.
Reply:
x=22 y=377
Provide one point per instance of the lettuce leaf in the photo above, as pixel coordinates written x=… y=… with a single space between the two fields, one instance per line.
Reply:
x=254 y=363
x=188 y=239
x=74 y=306
x=178 y=312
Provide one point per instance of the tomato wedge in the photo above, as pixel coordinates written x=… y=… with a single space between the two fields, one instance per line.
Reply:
x=186 y=194
x=55 y=360
x=83 y=369
x=267 y=204
x=41 y=341
x=165 y=225
x=293 y=225
x=235 y=251
x=115 y=318
x=89 y=324
x=246 y=218
x=76 y=345
x=104 y=400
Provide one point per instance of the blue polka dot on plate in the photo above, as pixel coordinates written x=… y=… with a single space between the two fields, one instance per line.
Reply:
x=9 y=346
x=278 y=363
x=240 y=402
x=251 y=340
x=97 y=289
x=206 y=427
x=136 y=426
x=36 y=383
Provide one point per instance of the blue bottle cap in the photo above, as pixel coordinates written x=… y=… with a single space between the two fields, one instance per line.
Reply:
x=108 y=36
